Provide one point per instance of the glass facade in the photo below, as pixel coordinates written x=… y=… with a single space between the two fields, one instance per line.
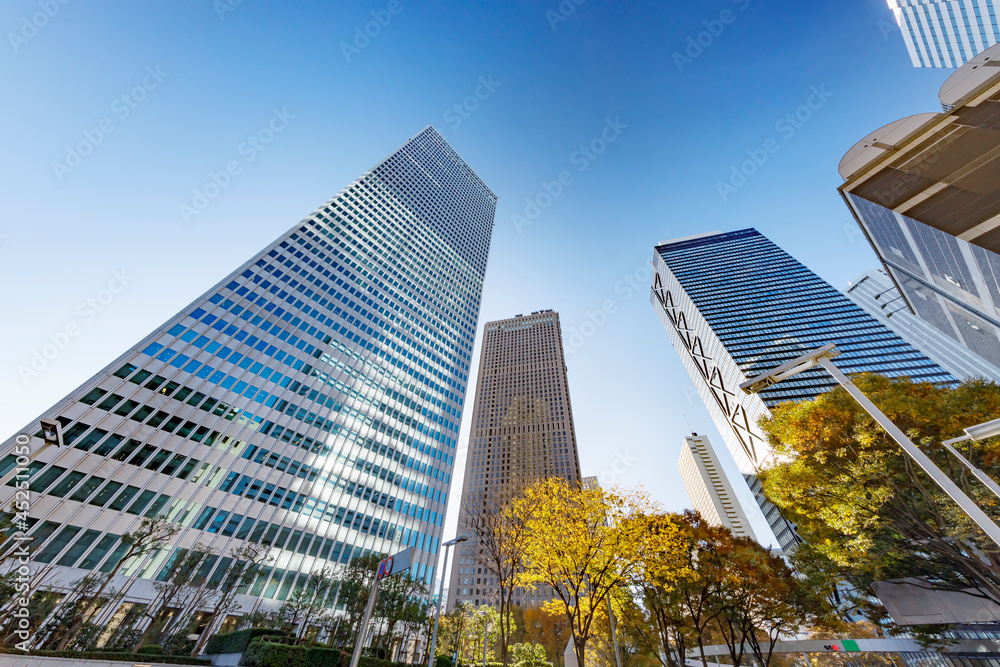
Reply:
x=946 y=33
x=877 y=294
x=310 y=401
x=950 y=283
x=736 y=305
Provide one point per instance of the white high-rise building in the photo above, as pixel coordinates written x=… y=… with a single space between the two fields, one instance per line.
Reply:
x=946 y=33
x=310 y=401
x=877 y=294
x=712 y=494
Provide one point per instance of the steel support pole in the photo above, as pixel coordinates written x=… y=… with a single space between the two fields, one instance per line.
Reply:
x=947 y=485
x=437 y=613
x=614 y=633
x=979 y=474
x=369 y=608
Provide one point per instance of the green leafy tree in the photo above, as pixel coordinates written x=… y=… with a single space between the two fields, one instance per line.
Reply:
x=150 y=535
x=865 y=510
x=246 y=563
x=356 y=579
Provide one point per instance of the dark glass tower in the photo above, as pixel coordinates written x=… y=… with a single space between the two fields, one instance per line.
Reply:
x=736 y=305
x=309 y=401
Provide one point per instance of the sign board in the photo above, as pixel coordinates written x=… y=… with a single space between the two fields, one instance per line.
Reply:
x=395 y=564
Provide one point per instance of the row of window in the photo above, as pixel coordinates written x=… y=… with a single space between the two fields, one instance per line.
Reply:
x=357 y=308
x=341 y=295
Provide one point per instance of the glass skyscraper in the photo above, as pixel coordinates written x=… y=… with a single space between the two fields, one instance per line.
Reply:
x=736 y=305
x=311 y=400
x=946 y=33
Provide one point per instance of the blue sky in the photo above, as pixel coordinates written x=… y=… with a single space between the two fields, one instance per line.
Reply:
x=96 y=249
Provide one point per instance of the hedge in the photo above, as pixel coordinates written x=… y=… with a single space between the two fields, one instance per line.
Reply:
x=268 y=654
x=262 y=653
x=236 y=642
x=111 y=655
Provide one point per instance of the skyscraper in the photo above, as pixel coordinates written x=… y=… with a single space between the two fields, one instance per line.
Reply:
x=946 y=33
x=875 y=292
x=925 y=191
x=708 y=487
x=735 y=305
x=522 y=432
x=310 y=400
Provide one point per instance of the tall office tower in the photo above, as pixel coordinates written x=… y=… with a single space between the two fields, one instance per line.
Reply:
x=946 y=33
x=736 y=305
x=708 y=487
x=875 y=292
x=310 y=400
x=522 y=432
x=925 y=191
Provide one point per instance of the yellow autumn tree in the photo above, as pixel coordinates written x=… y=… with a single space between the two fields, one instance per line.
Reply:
x=581 y=543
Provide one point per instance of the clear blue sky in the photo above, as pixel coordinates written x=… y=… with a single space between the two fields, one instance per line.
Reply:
x=196 y=86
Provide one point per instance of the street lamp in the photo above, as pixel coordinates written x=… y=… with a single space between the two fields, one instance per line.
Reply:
x=486 y=628
x=975 y=433
x=823 y=356
x=437 y=614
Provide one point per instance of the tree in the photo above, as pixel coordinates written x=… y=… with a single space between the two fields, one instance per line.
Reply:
x=151 y=535
x=660 y=622
x=475 y=629
x=182 y=570
x=501 y=537
x=549 y=629
x=760 y=601
x=307 y=602
x=396 y=595
x=453 y=627
x=246 y=563
x=356 y=580
x=863 y=506
x=581 y=543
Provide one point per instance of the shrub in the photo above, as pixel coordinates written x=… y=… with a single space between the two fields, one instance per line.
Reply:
x=109 y=655
x=236 y=642
x=441 y=660
x=268 y=654
x=533 y=663
x=324 y=656
x=152 y=649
